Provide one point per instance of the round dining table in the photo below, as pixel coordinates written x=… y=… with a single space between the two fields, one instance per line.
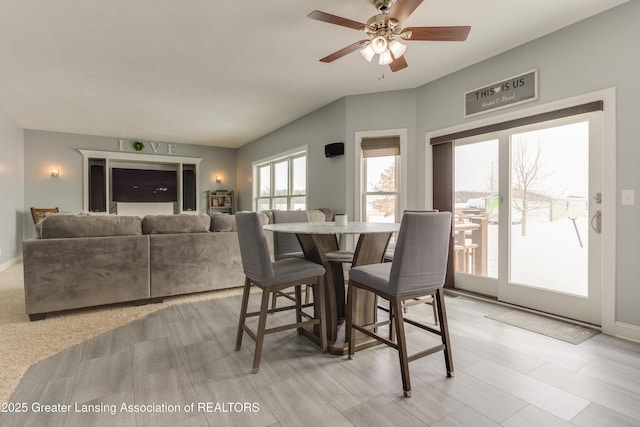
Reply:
x=320 y=239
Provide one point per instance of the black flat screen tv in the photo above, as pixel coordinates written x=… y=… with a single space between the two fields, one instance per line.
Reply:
x=144 y=185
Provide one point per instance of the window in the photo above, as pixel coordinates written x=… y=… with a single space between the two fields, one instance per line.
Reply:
x=380 y=179
x=281 y=182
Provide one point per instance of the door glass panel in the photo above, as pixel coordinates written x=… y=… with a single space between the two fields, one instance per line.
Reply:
x=549 y=208
x=476 y=208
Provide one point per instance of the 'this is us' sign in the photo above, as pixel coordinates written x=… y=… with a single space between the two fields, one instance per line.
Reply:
x=506 y=93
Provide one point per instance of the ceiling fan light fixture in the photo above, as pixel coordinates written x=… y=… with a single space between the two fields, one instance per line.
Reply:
x=379 y=44
x=397 y=48
x=406 y=35
x=385 y=58
x=367 y=53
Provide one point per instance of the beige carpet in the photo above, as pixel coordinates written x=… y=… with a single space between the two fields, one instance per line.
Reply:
x=565 y=331
x=23 y=343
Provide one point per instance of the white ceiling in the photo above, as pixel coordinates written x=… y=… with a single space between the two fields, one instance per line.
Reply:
x=225 y=73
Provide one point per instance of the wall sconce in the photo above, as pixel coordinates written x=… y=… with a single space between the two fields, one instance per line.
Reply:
x=55 y=173
x=218 y=179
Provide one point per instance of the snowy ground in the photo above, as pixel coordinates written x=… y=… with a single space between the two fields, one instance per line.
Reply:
x=549 y=257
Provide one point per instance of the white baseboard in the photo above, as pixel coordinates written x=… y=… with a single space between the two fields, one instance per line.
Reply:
x=628 y=332
x=10 y=263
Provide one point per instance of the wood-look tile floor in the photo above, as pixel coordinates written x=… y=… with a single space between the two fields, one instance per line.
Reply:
x=182 y=360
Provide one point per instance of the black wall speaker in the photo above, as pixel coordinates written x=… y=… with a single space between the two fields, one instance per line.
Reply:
x=188 y=190
x=97 y=196
x=335 y=149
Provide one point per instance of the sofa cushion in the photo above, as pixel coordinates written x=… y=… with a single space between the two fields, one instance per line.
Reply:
x=225 y=222
x=175 y=224
x=269 y=214
x=68 y=226
x=317 y=215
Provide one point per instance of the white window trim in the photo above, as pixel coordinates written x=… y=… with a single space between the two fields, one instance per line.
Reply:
x=359 y=185
x=302 y=150
x=609 y=324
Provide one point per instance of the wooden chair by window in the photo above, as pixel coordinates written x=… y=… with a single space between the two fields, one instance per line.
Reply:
x=38 y=214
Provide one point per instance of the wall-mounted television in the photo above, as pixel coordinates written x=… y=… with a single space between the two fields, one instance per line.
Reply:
x=144 y=185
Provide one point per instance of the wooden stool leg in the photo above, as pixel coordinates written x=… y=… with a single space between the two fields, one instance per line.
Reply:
x=321 y=311
x=298 y=298
x=350 y=332
x=402 y=346
x=444 y=331
x=435 y=310
x=262 y=323
x=243 y=312
x=392 y=331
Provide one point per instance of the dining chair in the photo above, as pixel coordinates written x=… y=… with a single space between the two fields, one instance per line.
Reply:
x=272 y=277
x=418 y=268
x=427 y=299
x=38 y=214
x=286 y=245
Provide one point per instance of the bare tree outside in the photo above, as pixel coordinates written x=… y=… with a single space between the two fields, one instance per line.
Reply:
x=528 y=179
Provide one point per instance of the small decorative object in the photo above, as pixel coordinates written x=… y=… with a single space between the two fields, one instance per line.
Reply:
x=138 y=145
x=341 y=219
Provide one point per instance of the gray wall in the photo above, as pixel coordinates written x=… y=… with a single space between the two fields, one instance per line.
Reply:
x=381 y=111
x=44 y=150
x=591 y=55
x=12 y=186
x=325 y=176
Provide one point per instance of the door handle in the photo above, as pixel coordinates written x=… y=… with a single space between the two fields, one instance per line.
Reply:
x=596 y=222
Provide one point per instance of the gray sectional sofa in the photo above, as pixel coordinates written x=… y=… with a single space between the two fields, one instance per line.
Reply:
x=88 y=260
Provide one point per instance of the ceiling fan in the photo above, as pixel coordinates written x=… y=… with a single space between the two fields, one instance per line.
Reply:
x=384 y=30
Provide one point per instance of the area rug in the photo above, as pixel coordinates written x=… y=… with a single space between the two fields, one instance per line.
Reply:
x=565 y=331
x=23 y=343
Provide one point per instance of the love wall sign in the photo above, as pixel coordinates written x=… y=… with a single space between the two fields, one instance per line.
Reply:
x=506 y=93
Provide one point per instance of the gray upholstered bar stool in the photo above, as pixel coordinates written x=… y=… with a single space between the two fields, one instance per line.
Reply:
x=427 y=299
x=273 y=277
x=286 y=245
x=418 y=268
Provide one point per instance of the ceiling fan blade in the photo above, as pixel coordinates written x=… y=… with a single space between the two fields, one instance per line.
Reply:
x=337 y=20
x=398 y=64
x=452 y=34
x=401 y=9
x=345 y=51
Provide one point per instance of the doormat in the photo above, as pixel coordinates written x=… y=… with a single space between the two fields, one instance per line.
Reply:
x=565 y=331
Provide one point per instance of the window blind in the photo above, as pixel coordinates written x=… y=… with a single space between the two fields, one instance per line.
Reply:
x=380 y=146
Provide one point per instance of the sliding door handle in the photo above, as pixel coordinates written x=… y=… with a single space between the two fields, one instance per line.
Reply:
x=596 y=222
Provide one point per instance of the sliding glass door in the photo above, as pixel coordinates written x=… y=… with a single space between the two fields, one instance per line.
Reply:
x=528 y=204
